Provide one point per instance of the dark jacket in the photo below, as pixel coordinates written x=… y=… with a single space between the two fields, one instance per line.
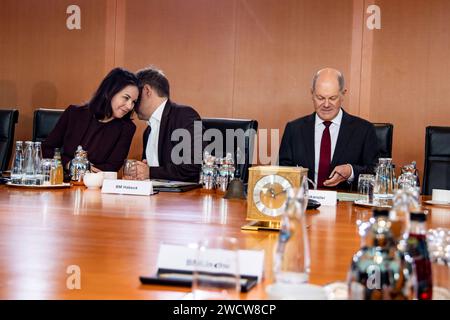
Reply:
x=177 y=117
x=107 y=144
x=356 y=145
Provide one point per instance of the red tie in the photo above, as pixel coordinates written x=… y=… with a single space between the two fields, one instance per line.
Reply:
x=325 y=155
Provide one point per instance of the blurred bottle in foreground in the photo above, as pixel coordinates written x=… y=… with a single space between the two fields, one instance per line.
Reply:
x=291 y=259
x=438 y=241
x=404 y=202
x=379 y=271
x=416 y=248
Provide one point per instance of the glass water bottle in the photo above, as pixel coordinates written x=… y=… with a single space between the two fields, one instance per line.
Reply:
x=17 y=169
x=57 y=172
x=29 y=177
x=292 y=261
x=38 y=163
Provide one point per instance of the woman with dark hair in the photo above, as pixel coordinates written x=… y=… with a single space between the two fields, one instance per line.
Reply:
x=103 y=126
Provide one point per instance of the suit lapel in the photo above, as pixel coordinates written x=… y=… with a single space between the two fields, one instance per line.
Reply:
x=308 y=133
x=345 y=131
x=163 y=129
x=145 y=141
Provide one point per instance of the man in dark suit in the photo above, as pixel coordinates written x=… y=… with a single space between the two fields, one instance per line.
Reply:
x=164 y=155
x=335 y=146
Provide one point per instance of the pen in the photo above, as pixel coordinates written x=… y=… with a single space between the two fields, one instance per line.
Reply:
x=338 y=174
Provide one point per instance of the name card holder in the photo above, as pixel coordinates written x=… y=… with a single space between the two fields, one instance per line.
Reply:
x=325 y=197
x=176 y=265
x=131 y=187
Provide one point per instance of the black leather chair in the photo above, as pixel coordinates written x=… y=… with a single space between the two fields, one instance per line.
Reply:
x=384 y=132
x=8 y=120
x=44 y=121
x=249 y=127
x=436 y=174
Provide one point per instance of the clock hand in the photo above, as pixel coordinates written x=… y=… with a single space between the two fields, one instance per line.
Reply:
x=275 y=194
x=272 y=192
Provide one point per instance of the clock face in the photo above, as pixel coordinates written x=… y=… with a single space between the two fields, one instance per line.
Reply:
x=270 y=194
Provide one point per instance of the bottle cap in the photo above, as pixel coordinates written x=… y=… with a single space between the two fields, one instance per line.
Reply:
x=418 y=216
x=380 y=213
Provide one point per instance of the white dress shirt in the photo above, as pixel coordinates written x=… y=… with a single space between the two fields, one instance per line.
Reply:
x=334 y=132
x=151 y=151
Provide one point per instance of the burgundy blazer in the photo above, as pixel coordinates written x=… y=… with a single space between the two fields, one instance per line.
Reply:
x=175 y=117
x=107 y=153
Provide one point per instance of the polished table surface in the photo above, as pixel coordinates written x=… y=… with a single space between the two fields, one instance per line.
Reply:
x=115 y=238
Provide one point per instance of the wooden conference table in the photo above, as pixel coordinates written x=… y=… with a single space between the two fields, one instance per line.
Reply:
x=115 y=238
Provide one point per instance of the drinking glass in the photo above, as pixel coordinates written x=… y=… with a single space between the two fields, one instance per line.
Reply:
x=46 y=167
x=366 y=183
x=216 y=272
x=129 y=170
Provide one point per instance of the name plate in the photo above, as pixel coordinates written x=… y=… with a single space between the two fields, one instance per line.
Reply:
x=133 y=187
x=325 y=197
x=184 y=258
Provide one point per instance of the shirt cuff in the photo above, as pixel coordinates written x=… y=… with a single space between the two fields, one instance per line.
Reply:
x=352 y=176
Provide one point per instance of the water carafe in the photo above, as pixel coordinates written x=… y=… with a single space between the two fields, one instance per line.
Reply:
x=384 y=179
x=409 y=177
x=79 y=165
x=291 y=259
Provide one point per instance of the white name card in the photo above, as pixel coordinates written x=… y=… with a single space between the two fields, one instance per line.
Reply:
x=134 y=187
x=325 y=197
x=184 y=258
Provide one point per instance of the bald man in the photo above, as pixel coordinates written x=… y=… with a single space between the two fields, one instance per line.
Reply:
x=335 y=146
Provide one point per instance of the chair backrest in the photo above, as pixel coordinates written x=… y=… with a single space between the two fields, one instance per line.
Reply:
x=239 y=148
x=44 y=121
x=8 y=120
x=384 y=132
x=436 y=174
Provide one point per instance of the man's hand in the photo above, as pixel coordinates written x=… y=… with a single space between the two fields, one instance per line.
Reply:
x=94 y=169
x=142 y=170
x=339 y=174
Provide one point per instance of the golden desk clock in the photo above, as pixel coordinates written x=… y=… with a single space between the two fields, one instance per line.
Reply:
x=267 y=194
